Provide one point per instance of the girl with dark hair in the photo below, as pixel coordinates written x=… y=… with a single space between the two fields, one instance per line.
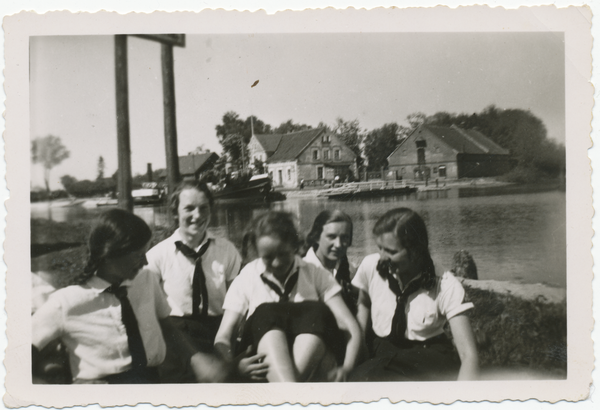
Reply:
x=195 y=270
x=111 y=320
x=295 y=313
x=328 y=241
x=408 y=306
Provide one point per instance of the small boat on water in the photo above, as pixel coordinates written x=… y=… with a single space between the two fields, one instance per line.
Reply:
x=362 y=190
x=240 y=188
x=149 y=194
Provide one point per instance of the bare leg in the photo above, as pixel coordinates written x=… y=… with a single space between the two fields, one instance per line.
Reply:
x=277 y=355
x=309 y=350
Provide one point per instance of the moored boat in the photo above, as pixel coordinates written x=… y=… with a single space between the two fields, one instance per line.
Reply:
x=257 y=188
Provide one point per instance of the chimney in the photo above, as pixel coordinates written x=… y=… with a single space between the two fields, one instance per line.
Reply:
x=149 y=172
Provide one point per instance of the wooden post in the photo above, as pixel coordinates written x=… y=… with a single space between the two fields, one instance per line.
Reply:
x=125 y=200
x=169 y=114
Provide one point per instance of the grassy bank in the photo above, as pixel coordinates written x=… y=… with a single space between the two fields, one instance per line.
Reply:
x=516 y=326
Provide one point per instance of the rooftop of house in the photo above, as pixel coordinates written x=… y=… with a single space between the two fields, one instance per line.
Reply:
x=190 y=164
x=289 y=146
x=464 y=141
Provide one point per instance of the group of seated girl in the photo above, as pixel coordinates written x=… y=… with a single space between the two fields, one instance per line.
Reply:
x=283 y=318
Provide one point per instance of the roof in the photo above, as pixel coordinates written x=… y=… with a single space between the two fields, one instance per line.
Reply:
x=466 y=141
x=269 y=142
x=291 y=145
x=190 y=164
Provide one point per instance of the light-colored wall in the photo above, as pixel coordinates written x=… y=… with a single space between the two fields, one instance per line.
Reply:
x=437 y=154
x=256 y=150
x=289 y=174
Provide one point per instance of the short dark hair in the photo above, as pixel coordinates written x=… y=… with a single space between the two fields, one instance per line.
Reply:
x=410 y=230
x=184 y=186
x=275 y=223
x=324 y=218
x=116 y=232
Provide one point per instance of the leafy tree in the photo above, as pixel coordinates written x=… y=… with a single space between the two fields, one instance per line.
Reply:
x=48 y=151
x=101 y=167
x=416 y=119
x=289 y=126
x=67 y=181
x=259 y=166
x=350 y=133
x=235 y=133
x=379 y=143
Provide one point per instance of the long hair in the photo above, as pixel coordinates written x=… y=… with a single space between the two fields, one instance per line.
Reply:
x=410 y=230
x=324 y=218
x=183 y=186
x=116 y=233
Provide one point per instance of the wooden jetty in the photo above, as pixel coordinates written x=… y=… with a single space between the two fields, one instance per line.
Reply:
x=371 y=189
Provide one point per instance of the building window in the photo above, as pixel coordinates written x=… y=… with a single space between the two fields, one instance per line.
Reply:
x=326 y=154
x=421 y=144
x=336 y=154
x=289 y=174
x=315 y=154
x=435 y=170
x=319 y=172
x=326 y=138
x=442 y=171
x=279 y=174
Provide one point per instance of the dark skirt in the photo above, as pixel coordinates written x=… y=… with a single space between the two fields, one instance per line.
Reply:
x=435 y=359
x=200 y=333
x=309 y=317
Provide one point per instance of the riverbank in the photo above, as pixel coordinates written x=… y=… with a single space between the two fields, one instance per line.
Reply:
x=313 y=192
x=520 y=328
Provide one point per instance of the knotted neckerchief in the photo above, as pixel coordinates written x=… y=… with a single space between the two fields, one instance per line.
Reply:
x=199 y=291
x=134 y=337
x=397 y=334
x=288 y=287
x=349 y=292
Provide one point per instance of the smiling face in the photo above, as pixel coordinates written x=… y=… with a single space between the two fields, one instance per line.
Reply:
x=277 y=255
x=193 y=214
x=334 y=241
x=392 y=251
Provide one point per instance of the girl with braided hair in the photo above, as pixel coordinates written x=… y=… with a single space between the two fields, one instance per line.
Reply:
x=407 y=306
x=112 y=320
x=328 y=240
x=296 y=319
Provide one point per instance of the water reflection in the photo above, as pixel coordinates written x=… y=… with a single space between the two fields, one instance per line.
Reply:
x=513 y=235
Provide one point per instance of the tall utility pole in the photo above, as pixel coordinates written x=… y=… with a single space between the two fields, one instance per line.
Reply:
x=122 y=92
x=125 y=200
x=170 y=120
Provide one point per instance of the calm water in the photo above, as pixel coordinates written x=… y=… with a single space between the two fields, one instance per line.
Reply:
x=513 y=233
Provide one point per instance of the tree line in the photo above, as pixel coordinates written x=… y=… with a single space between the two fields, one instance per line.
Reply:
x=519 y=131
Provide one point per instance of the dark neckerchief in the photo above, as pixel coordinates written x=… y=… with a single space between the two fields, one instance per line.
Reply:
x=349 y=291
x=134 y=337
x=199 y=291
x=289 y=285
x=398 y=331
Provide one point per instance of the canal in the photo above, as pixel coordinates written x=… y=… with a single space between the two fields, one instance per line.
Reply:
x=514 y=233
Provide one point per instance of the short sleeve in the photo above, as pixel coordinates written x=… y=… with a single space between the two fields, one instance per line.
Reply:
x=235 y=263
x=364 y=271
x=47 y=322
x=153 y=266
x=163 y=309
x=236 y=299
x=451 y=297
x=327 y=286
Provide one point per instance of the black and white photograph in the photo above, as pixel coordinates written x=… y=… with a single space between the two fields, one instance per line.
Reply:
x=333 y=208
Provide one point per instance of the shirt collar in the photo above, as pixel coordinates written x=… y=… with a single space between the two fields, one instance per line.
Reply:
x=295 y=267
x=311 y=257
x=177 y=237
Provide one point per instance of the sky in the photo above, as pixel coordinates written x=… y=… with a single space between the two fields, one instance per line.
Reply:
x=375 y=78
